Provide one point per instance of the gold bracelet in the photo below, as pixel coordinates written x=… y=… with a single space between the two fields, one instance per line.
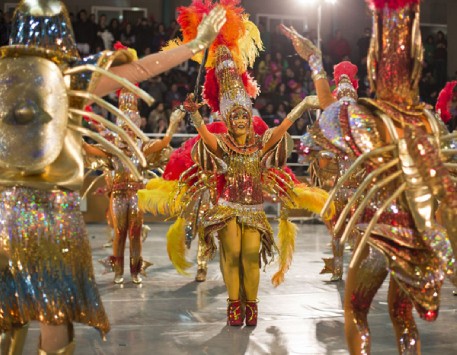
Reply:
x=196 y=46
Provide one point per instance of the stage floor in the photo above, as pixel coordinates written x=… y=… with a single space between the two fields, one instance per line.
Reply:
x=172 y=314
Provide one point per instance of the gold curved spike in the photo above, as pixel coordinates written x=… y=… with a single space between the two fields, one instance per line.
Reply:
x=365 y=202
x=450 y=165
x=351 y=170
x=124 y=82
x=389 y=125
x=449 y=136
x=449 y=151
x=368 y=179
x=372 y=223
x=112 y=109
x=115 y=129
x=91 y=185
x=110 y=148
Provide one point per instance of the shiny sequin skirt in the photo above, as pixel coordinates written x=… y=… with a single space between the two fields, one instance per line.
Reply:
x=415 y=266
x=50 y=276
x=216 y=218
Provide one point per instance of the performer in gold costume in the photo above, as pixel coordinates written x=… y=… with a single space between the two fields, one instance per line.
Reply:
x=402 y=146
x=327 y=162
x=127 y=219
x=46 y=267
x=234 y=165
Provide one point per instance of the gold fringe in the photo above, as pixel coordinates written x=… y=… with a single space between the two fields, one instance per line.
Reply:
x=286 y=236
x=176 y=246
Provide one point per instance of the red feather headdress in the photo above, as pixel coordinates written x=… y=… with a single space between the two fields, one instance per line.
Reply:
x=346 y=68
x=391 y=4
x=238 y=34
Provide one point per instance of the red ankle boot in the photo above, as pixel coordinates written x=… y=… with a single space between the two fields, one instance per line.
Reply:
x=251 y=313
x=234 y=313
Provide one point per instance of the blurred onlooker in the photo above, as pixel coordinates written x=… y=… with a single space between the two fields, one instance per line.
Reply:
x=85 y=33
x=173 y=97
x=115 y=28
x=173 y=29
x=269 y=115
x=441 y=58
x=364 y=44
x=144 y=35
x=429 y=51
x=160 y=38
x=155 y=116
x=128 y=36
x=338 y=47
x=105 y=37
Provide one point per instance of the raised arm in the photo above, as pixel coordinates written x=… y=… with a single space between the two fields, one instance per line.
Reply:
x=208 y=138
x=155 y=146
x=308 y=103
x=309 y=52
x=158 y=63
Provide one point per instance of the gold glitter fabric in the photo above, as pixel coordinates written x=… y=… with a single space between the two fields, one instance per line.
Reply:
x=50 y=276
x=241 y=194
x=413 y=264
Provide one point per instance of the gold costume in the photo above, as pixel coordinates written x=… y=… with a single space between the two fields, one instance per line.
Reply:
x=46 y=269
x=401 y=145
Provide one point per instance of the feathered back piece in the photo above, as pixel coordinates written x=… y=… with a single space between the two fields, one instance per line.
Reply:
x=444 y=99
x=239 y=35
x=391 y=4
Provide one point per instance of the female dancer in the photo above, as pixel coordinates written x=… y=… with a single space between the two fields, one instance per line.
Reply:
x=48 y=273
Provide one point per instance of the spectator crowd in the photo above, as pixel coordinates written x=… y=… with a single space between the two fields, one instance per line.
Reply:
x=284 y=78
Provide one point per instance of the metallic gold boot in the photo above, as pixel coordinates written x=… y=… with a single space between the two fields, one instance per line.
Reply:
x=12 y=342
x=68 y=349
x=118 y=269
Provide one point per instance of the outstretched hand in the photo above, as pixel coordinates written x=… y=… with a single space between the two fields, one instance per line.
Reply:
x=304 y=47
x=177 y=116
x=210 y=25
x=190 y=105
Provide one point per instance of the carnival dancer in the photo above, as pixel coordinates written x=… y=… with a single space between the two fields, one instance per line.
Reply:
x=398 y=142
x=127 y=219
x=47 y=272
x=232 y=170
x=327 y=162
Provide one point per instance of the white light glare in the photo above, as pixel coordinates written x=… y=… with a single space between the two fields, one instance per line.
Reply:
x=312 y=2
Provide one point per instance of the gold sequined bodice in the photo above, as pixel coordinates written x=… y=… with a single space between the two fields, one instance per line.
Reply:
x=243 y=178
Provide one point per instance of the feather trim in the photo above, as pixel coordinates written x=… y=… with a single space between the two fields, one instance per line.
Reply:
x=159 y=197
x=311 y=199
x=444 y=99
x=176 y=246
x=286 y=244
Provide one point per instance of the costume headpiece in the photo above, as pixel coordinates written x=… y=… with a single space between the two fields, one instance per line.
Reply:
x=227 y=82
x=396 y=53
x=42 y=26
x=345 y=75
